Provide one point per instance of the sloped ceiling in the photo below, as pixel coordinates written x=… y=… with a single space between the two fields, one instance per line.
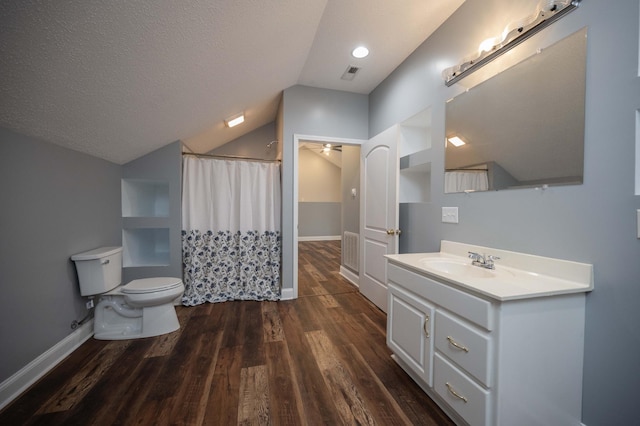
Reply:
x=119 y=79
x=334 y=156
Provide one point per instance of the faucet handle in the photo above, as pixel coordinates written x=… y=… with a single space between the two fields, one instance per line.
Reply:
x=490 y=264
x=473 y=255
x=477 y=258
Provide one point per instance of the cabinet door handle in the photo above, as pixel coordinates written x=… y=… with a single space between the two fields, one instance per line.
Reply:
x=454 y=393
x=456 y=344
x=424 y=326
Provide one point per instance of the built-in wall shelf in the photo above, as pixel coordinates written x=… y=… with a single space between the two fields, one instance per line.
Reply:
x=151 y=222
x=145 y=198
x=415 y=177
x=414 y=181
x=415 y=133
x=415 y=158
x=145 y=247
x=145 y=214
x=637 y=192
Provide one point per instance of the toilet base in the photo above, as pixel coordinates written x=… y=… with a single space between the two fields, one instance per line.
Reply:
x=115 y=320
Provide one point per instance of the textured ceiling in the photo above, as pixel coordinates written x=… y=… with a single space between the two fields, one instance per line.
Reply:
x=119 y=79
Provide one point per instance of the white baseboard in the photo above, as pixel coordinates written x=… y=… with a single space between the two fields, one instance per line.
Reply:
x=321 y=238
x=11 y=388
x=287 y=294
x=350 y=276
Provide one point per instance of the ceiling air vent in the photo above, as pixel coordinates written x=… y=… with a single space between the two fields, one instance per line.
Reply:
x=350 y=73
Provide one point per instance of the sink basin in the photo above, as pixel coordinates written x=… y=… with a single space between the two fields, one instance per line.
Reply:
x=457 y=268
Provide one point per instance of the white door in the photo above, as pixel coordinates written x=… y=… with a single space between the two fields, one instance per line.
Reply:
x=378 y=213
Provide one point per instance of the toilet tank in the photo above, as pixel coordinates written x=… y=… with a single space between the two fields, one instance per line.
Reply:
x=99 y=270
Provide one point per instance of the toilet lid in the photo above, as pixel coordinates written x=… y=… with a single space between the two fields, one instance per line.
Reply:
x=149 y=285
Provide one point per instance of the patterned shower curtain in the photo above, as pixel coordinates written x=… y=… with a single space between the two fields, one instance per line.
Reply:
x=231 y=244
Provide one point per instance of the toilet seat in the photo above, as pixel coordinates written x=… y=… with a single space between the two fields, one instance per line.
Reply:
x=151 y=285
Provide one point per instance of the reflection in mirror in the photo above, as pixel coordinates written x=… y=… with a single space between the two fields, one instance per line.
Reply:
x=523 y=127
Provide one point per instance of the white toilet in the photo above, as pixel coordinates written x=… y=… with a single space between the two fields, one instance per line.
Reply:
x=141 y=308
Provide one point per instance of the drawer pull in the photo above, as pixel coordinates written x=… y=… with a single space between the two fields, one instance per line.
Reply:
x=454 y=393
x=456 y=344
x=424 y=326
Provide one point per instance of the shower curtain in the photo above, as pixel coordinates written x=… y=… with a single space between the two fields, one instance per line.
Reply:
x=466 y=180
x=231 y=244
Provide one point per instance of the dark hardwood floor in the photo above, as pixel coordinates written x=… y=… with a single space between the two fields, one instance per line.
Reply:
x=320 y=359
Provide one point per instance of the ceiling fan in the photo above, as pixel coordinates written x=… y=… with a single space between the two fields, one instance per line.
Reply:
x=327 y=148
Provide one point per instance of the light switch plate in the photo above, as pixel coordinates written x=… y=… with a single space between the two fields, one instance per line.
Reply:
x=450 y=214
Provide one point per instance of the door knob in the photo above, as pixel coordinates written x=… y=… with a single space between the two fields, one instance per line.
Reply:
x=394 y=232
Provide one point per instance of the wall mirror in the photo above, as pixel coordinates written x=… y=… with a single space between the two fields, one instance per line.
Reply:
x=523 y=127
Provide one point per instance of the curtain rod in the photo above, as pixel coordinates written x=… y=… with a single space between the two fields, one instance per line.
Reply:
x=466 y=170
x=232 y=157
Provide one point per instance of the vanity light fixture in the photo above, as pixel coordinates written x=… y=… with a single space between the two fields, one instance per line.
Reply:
x=456 y=141
x=235 y=120
x=360 y=52
x=547 y=12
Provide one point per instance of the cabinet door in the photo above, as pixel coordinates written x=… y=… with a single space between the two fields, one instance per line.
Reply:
x=410 y=331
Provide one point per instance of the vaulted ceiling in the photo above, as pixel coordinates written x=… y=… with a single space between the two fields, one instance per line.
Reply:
x=119 y=79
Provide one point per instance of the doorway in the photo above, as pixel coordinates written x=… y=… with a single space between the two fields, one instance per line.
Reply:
x=324 y=206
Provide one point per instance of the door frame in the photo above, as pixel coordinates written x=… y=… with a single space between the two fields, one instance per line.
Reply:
x=297 y=139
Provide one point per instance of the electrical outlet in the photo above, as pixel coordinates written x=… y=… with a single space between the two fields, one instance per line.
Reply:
x=450 y=214
x=89 y=303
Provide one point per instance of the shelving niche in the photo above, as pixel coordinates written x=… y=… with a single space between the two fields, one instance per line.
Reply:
x=145 y=213
x=415 y=158
x=145 y=198
x=145 y=247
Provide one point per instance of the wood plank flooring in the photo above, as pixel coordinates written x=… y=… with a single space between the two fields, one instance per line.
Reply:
x=320 y=359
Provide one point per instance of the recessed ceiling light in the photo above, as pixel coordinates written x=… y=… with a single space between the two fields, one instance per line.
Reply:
x=235 y=120
x=360 y=52
x=456 y=141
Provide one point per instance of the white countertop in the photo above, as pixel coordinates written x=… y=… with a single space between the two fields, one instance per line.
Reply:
x=516 y=275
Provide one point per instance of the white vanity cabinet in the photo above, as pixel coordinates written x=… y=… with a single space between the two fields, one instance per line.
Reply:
x=488 y=361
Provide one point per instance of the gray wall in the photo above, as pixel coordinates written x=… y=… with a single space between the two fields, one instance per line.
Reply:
x=55 y=203
x=594 y=222
x=311 y=111
x=319 y=219
x=164 y=164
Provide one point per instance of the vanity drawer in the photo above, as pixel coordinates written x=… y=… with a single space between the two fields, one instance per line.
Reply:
x=467 y=347
x=475 y=309
x=466 y=397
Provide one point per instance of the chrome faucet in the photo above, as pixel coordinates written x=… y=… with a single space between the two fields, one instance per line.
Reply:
x=483 y=261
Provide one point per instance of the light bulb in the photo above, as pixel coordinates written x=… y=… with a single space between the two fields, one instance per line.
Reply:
x=360 y=52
